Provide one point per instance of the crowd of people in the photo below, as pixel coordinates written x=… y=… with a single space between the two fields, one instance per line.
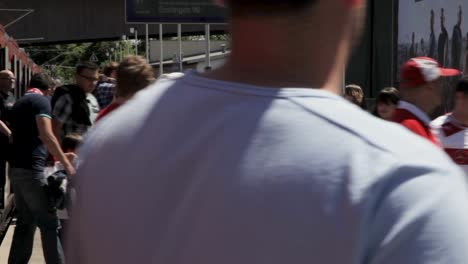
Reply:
x=43 y=130
x=416 y=101
x=263 y=160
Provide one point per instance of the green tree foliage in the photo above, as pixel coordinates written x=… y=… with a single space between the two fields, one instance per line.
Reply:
x=60 y=60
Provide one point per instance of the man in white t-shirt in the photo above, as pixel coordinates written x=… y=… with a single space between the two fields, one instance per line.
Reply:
x=452 y=129
x=250 y=164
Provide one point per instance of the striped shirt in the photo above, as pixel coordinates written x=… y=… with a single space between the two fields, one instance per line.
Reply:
x=63 y=109
x=105 y=93
x=453 y=136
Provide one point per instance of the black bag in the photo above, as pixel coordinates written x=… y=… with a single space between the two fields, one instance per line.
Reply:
x=56 y=190
x=80 y=110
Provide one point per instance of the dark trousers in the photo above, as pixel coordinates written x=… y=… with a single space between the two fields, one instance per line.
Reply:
x=33 y=211
x=2 y=183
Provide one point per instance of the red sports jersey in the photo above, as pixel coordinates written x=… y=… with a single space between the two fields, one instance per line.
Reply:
x=453 y=136
x=110 y=108
x=415 y=120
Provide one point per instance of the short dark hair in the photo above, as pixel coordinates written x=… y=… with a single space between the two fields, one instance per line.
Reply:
x=109 y=68
x=249 y=7
x=462 y=85
x=86 y=65
x=388 y=95
x=41 y=81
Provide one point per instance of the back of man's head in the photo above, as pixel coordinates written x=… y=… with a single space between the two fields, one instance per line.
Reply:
x=41 y=81
x=264 y=7
x=133 y=74
x=86 y=65
x=306 y=41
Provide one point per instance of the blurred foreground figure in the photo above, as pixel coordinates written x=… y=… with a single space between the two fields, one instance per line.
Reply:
x=252 y=163
x=452 y=128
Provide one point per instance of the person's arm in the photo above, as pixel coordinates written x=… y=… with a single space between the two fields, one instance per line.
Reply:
x=44 y=126
x=57 y=127
x=5 y=130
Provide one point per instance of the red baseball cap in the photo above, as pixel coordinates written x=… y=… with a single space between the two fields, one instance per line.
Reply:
x=421 y=70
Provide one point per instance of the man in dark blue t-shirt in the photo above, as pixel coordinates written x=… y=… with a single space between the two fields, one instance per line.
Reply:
x=32 y=136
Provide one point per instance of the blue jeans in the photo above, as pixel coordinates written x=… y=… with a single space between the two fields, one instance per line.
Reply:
x=33 y=211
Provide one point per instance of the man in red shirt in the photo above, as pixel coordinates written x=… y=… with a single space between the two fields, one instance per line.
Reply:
x=452 y=128
x=421 y=92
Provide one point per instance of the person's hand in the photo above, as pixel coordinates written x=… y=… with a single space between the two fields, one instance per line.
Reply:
x=71 y=156
x=10 y=138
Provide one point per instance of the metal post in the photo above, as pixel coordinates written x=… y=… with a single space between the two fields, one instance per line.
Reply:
x=208 y=46
x=147 y=43
x=136 y=42
x=179 y=34
x=125 y=40
x=161 y=50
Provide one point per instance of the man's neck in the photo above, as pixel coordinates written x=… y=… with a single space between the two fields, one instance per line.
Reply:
x=427 y=110
x=279 y=59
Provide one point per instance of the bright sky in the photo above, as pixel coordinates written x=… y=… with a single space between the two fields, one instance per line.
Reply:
x=415 y=17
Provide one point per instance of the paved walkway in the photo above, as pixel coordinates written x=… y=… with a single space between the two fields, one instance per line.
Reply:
x=36 y=258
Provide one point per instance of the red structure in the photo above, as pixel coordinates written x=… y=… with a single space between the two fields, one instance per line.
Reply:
x=13 y=58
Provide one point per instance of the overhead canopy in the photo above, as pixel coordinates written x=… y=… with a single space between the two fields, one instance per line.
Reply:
x=74 y=21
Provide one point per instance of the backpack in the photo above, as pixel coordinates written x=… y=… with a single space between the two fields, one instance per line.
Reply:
x=80 y=110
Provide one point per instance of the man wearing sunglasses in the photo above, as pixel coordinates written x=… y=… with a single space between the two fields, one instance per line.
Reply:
x=74 y=106
x=7 y=100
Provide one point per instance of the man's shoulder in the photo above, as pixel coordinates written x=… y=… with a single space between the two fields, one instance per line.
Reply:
x=64 y=99
x=371 y=133
x=33 y=100
x=325 y=114
x=61 y=92
x=402 y=115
